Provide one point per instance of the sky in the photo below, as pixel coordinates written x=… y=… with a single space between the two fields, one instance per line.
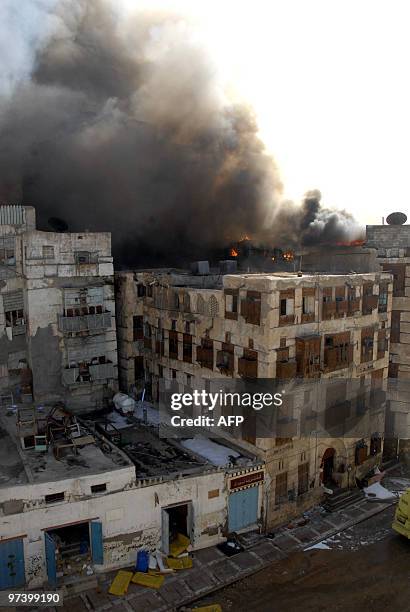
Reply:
x=327 y=80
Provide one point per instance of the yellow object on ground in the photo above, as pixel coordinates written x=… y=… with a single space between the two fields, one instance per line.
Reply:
x=119 y=586
x=401 y=522
x=179 y=564
x=148 y=580
x=212 y=608
x=179 y=545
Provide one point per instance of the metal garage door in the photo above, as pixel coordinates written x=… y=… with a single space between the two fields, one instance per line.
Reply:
x=243 y=508
x=12 y=572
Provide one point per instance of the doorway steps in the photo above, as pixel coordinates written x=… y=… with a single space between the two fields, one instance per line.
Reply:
x=341 y=498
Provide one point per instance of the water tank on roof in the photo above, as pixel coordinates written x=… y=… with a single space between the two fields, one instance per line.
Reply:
x=396 y=218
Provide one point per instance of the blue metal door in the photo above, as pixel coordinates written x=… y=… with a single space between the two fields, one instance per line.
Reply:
x=97 y=547
x=243 y=508
x=51 y=559
x=12 y=572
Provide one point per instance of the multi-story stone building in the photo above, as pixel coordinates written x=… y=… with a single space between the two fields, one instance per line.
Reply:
x=199 y=331
x=57 y=312
x=393 y=253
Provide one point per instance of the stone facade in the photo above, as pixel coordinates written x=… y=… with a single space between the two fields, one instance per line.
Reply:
x=393 y=253
x=198 y=330
x=57 y=312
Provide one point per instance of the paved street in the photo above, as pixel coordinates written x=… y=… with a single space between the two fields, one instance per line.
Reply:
x=213 y=570
x=365 y=568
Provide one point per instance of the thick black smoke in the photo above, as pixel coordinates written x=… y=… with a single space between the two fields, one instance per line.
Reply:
x=122 y=128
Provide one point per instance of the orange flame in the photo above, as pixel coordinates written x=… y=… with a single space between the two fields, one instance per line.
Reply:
x=288 y=256
x=233 y=252
x=359 y=242
x=244 y=238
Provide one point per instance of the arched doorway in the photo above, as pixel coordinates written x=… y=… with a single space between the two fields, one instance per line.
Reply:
x=327 y=465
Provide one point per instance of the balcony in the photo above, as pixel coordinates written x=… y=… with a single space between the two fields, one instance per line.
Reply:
x=18 y=330
x=370 y=302
x=96 y=373
x=308 y=317
x=286 y=319
x=205 y=357
x=338 y=357
x=225 y=361
x=328 y=310
x=353 y=306
x=341 y=307
x=285 y=370
x=247 y=368
x=84 y=323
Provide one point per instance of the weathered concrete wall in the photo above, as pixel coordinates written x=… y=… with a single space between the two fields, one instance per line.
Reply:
x=131 y=518
x=387 y=236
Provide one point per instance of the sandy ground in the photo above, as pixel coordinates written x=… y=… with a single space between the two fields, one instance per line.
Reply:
x=366 y=568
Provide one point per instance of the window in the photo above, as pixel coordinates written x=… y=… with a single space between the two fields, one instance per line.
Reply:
x=303 y=478
x=251 y=307
x=99 y=488
x=205 y=353
x=189 y=380
x=187 y=327
x=187 y=348
x=173 y=345
x=282 y=343
x=375 y=444
x=48 y=252
x=399 y=277
x=160 y=371
x=367 y=344
x=174 y=373
x=228 y=337
x=286 y=307
x=395 y=326
x=54 y=498
x=231 y=303
x=383 y=294
x=82 y=257
x=250 y=343
x=281 y=488
x=14 y=318
x=141 y=290
x=308 y=304
x=139 y=368
x=138 y=327
x=173 y=325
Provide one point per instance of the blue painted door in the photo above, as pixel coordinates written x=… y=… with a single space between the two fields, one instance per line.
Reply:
x=243 y=508
x=97 y=548
x=12 y=572
x=51 y=559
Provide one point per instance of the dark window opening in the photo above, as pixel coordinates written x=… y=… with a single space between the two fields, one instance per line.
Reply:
x=54 y=497
x=99 y=488
x=138 y=327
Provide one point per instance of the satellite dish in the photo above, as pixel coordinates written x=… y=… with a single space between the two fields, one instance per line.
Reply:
x=396 y=218
x=57 y=224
